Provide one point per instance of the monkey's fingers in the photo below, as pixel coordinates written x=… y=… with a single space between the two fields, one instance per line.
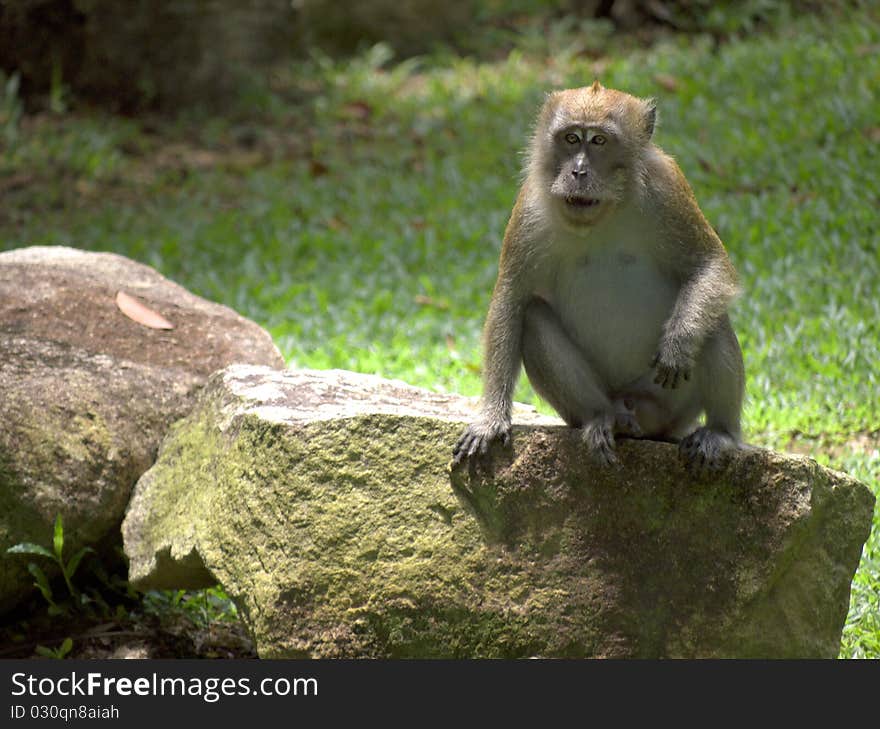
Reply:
x=474 y=445
x=599 y=439
x=663 y=377
x=469 y=445
x=480 y=445
x=701 y=452
x=462 y=447
x=476 y=440
x=670 y=377
x=605 y=455
x=495 y=433
x=662 y=371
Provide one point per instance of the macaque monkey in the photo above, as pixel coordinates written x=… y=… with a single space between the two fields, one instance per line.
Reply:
x=612 y=291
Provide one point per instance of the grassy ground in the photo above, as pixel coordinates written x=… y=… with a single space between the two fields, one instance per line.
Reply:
x=356 y=209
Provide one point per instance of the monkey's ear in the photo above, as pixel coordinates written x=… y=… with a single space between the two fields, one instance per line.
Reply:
x=596 y=86
x=650 y=116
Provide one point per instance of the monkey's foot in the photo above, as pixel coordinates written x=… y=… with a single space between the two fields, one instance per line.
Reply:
x=598 y=436
x=706 y=449
x=476 y=439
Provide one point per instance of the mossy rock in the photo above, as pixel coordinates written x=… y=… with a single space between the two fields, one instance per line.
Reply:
x=88 y=393
x=324 y=504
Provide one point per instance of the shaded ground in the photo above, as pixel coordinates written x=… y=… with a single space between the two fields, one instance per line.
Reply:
x=150 y=156
x=131 y=634
x=866 y=443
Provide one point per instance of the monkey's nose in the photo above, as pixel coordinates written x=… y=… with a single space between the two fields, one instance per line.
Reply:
x=578 y=172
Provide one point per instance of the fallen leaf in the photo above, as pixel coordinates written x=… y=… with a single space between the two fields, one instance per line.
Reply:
x=710 y=167
x=84 y=187
x=430 y=301
x=142 y=314
x=15 y=182
x=799 y=197
x=666 y=82
x=599 y=67
x=317 y=169
x=358 y=110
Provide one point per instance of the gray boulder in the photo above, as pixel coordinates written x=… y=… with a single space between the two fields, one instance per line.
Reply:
x=88 y=393
x=324 y=504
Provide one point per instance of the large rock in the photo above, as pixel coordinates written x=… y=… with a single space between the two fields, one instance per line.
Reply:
x=88 y=393
x=324 y=504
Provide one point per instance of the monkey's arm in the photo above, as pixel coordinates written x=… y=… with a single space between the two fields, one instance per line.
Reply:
x=707 y=278
x=502 y=343
x=501 y=365
x=702 y=303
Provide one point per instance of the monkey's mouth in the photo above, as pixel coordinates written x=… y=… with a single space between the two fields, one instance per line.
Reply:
x=580 y=201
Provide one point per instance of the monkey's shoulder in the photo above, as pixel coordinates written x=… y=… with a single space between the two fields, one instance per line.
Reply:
x=526 y=229
x=669 y=202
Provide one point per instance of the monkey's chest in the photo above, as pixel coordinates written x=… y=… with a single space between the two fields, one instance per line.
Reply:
x=614 y=305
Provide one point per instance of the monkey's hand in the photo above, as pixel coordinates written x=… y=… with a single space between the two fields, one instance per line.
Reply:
x=477 y=437
x=672 y=366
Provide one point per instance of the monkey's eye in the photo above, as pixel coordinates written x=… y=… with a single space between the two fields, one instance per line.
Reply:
x=598 y=139
x=573 y=138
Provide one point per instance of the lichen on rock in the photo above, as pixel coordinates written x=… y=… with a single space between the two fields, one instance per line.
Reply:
x=324 y=503
x=88 y=393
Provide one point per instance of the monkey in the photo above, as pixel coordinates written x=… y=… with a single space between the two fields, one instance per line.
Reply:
x=612 y=292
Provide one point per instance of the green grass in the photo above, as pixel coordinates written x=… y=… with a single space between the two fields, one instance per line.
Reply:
x=861 y=634
x=364 y=228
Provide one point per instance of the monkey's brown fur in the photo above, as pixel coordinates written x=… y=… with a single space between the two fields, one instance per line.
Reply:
x=612 y=290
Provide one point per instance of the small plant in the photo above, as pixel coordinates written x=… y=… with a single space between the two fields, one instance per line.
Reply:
x=201 y=607
x=60 y=652
x=68 y=568
x=57 y=90
x=10 y=109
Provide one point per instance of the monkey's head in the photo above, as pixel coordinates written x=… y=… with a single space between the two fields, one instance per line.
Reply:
x=586 y=150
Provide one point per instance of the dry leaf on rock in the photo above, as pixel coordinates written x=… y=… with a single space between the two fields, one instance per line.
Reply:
x=142 y=314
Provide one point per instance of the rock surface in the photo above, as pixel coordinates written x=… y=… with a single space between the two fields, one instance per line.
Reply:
x=324 y=504
x=88 y=393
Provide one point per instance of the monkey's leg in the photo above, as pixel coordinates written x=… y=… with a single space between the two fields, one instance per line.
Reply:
x=721 y=383
x=561 y=374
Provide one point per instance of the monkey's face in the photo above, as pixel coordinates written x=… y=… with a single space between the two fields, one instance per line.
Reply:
x=588 y=170
x=586 y=151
